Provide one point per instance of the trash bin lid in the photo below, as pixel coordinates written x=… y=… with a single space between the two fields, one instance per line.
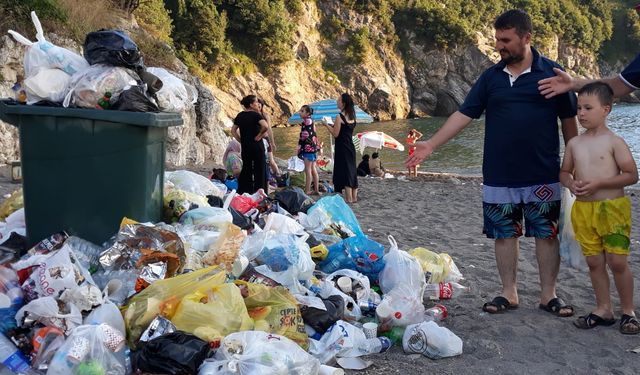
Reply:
x=9 y=111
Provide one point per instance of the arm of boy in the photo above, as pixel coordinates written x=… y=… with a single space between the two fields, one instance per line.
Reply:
x=566 y=171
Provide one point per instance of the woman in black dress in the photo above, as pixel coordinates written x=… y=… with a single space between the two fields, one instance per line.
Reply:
x=345 y=175
x=253 y=128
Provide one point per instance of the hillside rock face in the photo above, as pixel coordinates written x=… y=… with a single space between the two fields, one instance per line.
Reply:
x=388 y=84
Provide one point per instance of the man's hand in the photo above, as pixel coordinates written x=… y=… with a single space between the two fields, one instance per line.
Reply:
x=586 y=188
x=423 y=150
x=561 y=83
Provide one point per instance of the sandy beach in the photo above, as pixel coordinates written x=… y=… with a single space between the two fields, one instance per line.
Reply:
x=443 y=213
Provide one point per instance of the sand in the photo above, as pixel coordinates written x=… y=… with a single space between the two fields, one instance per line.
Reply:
x=445 y=215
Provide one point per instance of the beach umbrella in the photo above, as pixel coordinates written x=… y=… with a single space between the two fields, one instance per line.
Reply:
x=377 y=140
x=329 y=108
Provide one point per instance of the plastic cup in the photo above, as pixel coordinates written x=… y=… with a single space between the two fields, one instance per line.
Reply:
x=370 y=330
x=239 y=265
x=344 y=283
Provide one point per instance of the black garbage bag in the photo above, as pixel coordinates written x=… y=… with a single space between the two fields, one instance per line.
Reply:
x=135 y=99
x=240 y=220
x=175 y=353
x=294 y=200
x=112 y=47
x=283 y=180
x=321 y=320
x=215 y=201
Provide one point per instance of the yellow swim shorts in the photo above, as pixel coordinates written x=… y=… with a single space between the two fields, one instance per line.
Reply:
x=603 y=226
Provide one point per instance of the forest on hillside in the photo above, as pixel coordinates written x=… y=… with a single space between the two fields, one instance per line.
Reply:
x=219 y=38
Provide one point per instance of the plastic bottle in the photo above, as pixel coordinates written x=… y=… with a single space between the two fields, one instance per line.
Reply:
x=395 y=334
x=435 y=313
x=12 y=358
x=105 y=101
x=443 y=291
x=376 y=345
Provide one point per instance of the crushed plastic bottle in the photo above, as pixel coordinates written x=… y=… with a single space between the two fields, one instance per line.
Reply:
x=443 y=291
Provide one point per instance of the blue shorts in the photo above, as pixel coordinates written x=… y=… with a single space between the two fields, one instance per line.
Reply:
x=311 y=156
x=504 y=210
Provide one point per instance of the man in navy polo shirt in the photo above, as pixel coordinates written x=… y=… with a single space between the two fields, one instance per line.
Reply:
x=521 y=157
x=623 y=84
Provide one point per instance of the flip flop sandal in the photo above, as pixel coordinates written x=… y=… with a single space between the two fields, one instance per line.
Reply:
x=555 y=305
x=629 y=325
x=500 y=304
x=592 y=320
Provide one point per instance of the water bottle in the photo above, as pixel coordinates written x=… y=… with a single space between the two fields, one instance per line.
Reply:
x=12 y=358
x=435 y=313
x=375 y=345
x=395 y=334
x=443 y=291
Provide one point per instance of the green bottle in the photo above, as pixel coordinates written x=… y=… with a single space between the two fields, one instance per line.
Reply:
x=395 y=334
x=105 y=101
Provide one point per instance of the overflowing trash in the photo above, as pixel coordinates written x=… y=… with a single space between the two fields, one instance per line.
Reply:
x=264 y=284
x=110 y=76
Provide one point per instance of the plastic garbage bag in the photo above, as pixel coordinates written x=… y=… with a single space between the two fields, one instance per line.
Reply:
x=107 y=313
x=112 y=47
x=177 y=202
x=431 y=340
x=360 y=286
x=213 y=313
x=400 y=307
x=89 y=350
x=135 y=99
x=226 y=249
x=355 y=253
x=321 y=319
x=570 y=250
x=344 y=340
x=401 y=268
x=175 y=353
x=47 y=84
x=90 y=85
x=49 y=312
x=192 y=182
x=295 y=164
x=259 y=353
x=211 y=217
x=163 y=297
x=274 y=310
x=44 y=55
x=340 y=213
x=11 y=298
x=15 y=223
x=175 y=94
x=437 y=267
x=283 y=224
x=294 y=200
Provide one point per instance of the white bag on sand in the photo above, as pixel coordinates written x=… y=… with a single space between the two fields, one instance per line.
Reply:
x=570 y=251
x=431 y=340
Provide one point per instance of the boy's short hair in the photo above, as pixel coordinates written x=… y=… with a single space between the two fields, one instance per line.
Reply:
x=514 y=19
x=374 y=155
x=600 y=89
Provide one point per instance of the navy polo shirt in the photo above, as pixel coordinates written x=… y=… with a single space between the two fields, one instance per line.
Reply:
x=521 y=142
x=631 y=74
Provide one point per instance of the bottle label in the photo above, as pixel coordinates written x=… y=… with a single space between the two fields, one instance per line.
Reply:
x=16 y=363
x=446 y=291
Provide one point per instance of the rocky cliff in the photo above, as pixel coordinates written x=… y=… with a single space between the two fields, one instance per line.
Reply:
x=388 y=83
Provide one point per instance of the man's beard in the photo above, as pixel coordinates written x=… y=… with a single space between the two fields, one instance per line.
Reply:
x=513 y=58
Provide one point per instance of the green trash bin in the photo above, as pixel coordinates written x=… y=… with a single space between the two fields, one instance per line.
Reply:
x=85 y=169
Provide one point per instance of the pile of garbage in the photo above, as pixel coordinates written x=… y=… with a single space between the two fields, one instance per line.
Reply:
x=111 y=75
x=227 y=284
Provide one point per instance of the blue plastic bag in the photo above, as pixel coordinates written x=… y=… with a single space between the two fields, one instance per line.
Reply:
x=355 y=253
x=339 y=212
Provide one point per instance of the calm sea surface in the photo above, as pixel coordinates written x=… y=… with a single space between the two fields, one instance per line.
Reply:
x=463 y=154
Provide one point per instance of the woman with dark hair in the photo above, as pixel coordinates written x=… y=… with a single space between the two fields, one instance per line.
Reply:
x=249 y=127
x=345 y=175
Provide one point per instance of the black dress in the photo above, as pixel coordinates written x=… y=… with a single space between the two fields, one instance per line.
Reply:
x=344 y=163
x=253 y=175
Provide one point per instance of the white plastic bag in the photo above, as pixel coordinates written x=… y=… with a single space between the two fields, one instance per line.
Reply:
x=175 y=95
x=295 y=164
x=401 y=268
x=192 y=182
x=107 y=313
x=46 y=310
x=89 y=350
x=431 y=340
x=400 y=307
x=570 y=250
x=44 y=55
x=47 y=84
x=343 y=340
x=259 y=353
x=283 y=224
x=91 y=84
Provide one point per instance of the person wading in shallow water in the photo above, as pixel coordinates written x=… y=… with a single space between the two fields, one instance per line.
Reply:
x=521 y=160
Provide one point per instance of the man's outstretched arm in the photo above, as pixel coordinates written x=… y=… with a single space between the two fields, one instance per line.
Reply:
x=563 y=82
